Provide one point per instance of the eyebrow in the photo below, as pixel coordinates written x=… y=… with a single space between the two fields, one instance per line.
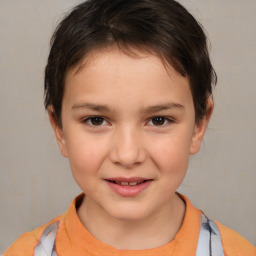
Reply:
x=161 y=107
x=147 y=110
x=94 y=107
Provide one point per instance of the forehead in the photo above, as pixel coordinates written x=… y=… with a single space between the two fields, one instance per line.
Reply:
x=137 y=52
x=111 y=73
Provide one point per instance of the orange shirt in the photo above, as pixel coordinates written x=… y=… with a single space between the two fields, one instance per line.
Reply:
x=73 y=239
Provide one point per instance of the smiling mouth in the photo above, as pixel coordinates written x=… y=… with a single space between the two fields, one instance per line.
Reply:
x=128 y=187
x=125 y=183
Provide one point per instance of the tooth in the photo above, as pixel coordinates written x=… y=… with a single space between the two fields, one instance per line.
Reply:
x=124 y=183
x=133 y=183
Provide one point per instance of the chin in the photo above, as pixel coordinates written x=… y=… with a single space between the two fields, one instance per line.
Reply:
x=129 y=213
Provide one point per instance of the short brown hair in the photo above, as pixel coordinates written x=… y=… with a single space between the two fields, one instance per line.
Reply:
x=163 y=27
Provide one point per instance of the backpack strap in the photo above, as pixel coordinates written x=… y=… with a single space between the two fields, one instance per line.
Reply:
x=209 y=243
x=46 y=245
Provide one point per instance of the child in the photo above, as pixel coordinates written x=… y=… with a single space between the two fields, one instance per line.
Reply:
x=128 y=89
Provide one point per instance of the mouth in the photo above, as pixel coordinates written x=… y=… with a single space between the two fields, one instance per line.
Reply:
x=128 y=186
x=134 y=181
x=126 y=183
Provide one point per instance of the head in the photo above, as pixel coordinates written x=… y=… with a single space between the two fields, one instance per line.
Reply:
x=128 y=89
x=164 y=28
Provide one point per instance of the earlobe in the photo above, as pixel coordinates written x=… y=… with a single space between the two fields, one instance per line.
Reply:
x=58 y=132
x=200 y=128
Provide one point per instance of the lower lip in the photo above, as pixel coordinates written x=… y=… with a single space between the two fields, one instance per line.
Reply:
x=129 y=191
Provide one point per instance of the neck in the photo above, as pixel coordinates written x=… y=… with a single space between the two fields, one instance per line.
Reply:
x=156 y=230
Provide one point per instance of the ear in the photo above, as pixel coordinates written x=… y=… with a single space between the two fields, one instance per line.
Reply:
x=58 y=132
x=200 y=128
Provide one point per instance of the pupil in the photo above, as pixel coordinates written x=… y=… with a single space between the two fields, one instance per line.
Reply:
x=158 y=121
x=97 y=120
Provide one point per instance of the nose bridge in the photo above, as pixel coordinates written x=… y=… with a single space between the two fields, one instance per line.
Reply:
x=127 y=147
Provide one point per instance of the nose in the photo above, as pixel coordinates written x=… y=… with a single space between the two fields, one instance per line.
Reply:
x=127 y=148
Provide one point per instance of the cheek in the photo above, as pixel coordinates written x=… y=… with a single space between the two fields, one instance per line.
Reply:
x=86 y=155
x=171 y=154
x=86 y=158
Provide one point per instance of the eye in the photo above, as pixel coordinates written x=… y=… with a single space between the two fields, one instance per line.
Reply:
x=95 y=121
x=159 y=121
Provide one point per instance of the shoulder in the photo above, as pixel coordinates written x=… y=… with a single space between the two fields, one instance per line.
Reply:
x=26 y=243
x=234 y=244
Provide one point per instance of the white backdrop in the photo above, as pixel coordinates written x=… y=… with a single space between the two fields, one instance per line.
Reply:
x=36 y=184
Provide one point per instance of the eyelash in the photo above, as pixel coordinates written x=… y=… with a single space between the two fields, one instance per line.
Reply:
x=165 y=119
x=89 y=120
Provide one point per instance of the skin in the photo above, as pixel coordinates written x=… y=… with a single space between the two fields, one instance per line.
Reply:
x=128 y=92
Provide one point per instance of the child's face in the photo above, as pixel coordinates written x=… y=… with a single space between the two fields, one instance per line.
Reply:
x=125 y=119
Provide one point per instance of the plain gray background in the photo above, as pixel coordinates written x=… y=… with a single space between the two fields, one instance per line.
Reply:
x=36 y=184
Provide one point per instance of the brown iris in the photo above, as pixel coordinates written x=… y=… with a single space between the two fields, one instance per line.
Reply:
x=97 y=120
x=158 y=120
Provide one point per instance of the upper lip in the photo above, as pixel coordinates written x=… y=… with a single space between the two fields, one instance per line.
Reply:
x=124 y=179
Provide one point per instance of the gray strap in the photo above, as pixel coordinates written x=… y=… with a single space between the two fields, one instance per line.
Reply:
x=46 y=245
x=209 y=243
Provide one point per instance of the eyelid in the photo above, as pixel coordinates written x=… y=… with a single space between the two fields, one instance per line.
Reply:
x=167 y=119
x=87 y=119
